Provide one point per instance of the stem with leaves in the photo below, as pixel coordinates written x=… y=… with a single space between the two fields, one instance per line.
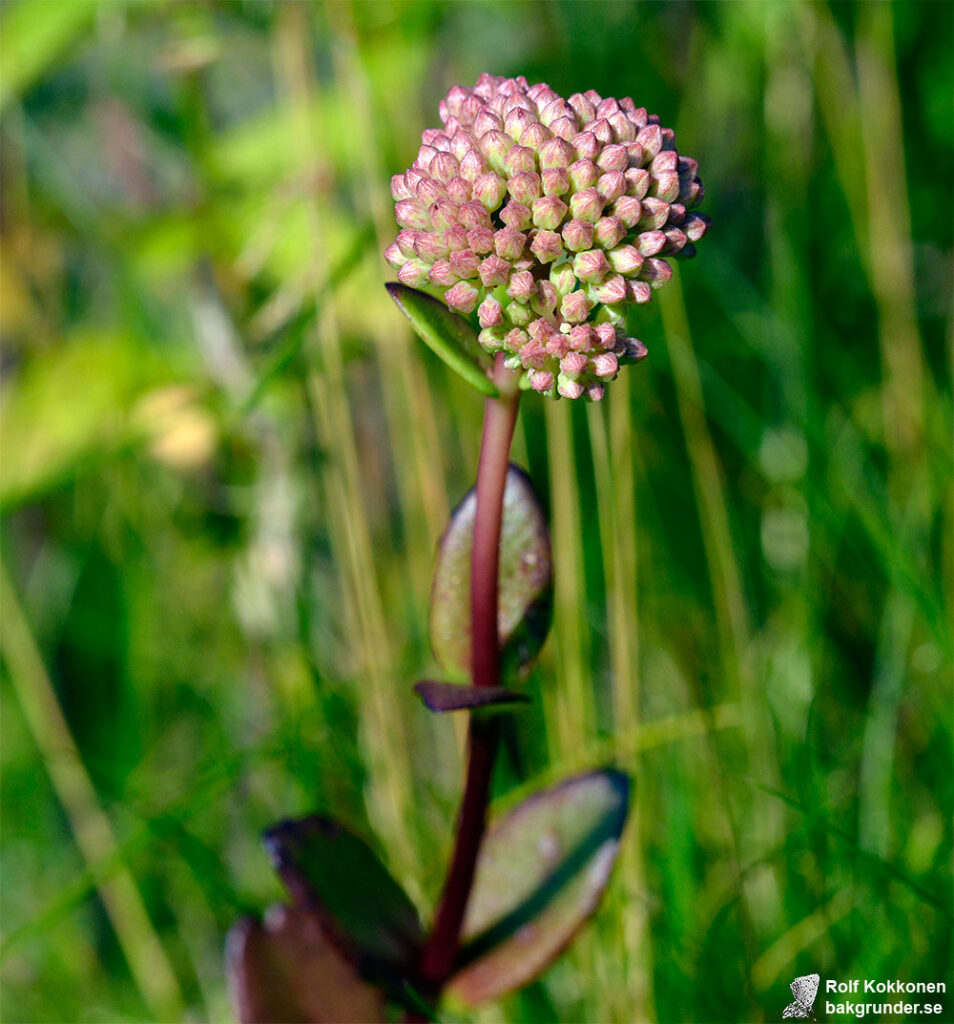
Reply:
x=500 y=416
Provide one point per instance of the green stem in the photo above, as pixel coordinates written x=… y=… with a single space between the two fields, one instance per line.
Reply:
x=500 y=416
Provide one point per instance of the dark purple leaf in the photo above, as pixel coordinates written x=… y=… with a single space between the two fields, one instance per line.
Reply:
x=285 y=971
x=526 y=581
x=541 y=873
x=441 y=697
x=337 y=876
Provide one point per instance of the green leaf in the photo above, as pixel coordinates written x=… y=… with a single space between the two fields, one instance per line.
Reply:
x=448 y=335
x=440 y=697
x=286 y=970
x=334 y=874
x=541 y=873
x=526 y=581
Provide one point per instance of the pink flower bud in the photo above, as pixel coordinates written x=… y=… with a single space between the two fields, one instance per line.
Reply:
x=582 y=107
x=522 y=286
x=654 y=214
x=695 y=226
x=613 y=158
x=664 y=162
x=625 y=259
x=407 y=241
x=611 y=185
x=495 y=145
x=657 y=272
x=519 y=313
x=490 y=313
x=548 y=212
x=546 y=246
x=430 y=246
x=516 y=120
x=444 y=167
x=509 y=243
x=591 y=265
x=581 y=338
x=490 y=190
x=487 y=121
x=563 y=279
x=458 y=190
x=608 y=232
x=516 y=215
x=687 y=167
x=515 y=340
x=443 y=213
x=573 y=364
x=595 y=392
x=665 y=186
x=557 y=344
x=578 y=235
x=430 y=191
x=460 y=144
x=569 y=388
x=556 y=181
x=637 y=181
x=675 y=240
x=399 y=188
x=650 y=242
x=520 y=159
x=677 y=214
x=583 y=174
x=424 y=157
x=628 y=209
x=394 y=256
x=493 y=271
x=414 y=273
x=534 y=136
x=605 y=336
x=455 y=238
x=612 y=291
x=565 y=127
x=480 y=240
x=462 y=297
x=587 y=145
x=587 y=205
x=525 y=187
x=491 y=338
x=605 y=364
x=602 y=129
x=650 y=138
x=556 y=153
x=623 y=128
x=541 y=380
x=409 y=213
x=464 y=263
x=544 y=302
x=638 y=292
x=533 y=355
x=635 y=153
x=473 y=165
x=473 y=214
x=575 y=307
x=442 y=274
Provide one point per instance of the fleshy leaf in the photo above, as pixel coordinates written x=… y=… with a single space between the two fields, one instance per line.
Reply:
x=337 y=876
x=286 y=970
x=449 y=336
x=541 y=874
x=440 y=697
x=525 y=595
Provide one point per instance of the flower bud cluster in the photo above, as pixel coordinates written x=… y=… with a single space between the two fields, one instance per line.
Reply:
x=548 y=217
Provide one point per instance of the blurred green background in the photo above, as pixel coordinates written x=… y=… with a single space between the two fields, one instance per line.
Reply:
x=226 y=464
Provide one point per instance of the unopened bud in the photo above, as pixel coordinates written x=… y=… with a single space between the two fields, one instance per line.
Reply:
x=525 y=187
x=556 y=181
x=481 y=240
x=548 y=212
x=442 y=274
x=493 y=271
x=556 y=153
x=583 y=174
x=657 y=272
x=591 y=265
x=516 y=215
x=605 y=364
x=575 y=307
x=464 y=263
x=608 y=232
x=613 y=158
x=534 y=136
x=573 y=364
x=409 y=213
x=522 y=286
x=508 y=243
x=611 y=185
x=490 y=190
x=490 y=313
x=563 y=279
x=655 y=213
x=650 y=242
x=587 y=205
x=665 y=186
x=625 y=259
x=612 y=291
x=495 y=145
x=546 y=246
x=569 y=388
x=581 y=338
x=628 y=209
x=541 y=380
x=650 y=138
x=414 y=273
x=578 y=235
x=520 y=159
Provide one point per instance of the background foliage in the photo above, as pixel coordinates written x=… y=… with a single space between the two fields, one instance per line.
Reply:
x=226 y=465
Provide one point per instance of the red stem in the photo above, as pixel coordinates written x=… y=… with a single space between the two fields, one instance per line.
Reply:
x=500 y=416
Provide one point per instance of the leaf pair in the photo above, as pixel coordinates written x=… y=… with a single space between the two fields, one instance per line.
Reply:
x=353 y=935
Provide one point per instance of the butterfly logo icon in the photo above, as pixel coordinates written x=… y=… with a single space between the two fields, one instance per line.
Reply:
x=804 y=989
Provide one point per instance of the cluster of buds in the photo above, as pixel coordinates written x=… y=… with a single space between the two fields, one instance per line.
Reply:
x=548 y=217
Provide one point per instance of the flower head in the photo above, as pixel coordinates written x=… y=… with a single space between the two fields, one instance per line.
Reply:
x=546 y=217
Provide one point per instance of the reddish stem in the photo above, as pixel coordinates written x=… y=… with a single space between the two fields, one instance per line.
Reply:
x=500 y=416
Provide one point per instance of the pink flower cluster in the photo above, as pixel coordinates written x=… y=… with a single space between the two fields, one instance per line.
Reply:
x=548 y=216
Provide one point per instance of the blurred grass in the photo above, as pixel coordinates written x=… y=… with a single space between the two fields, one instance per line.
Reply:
x=225 y=464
